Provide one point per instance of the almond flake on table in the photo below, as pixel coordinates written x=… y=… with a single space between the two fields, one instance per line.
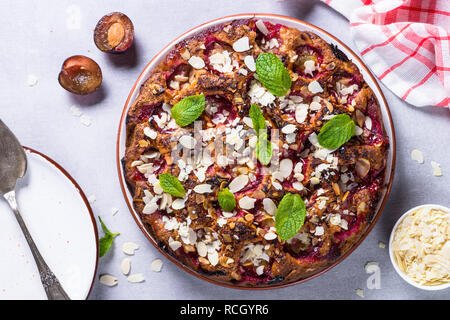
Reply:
x=381 y=244
x=369 y=264
x=92 y=198
x=360 y=292
x=129 y=248
x=417 y=155
x=136 y=278
x=85 y=120
x=437 y=171
x=125 y=266
x=32 y=80
x=157 y=265
x=108 y=280
x=76 y=112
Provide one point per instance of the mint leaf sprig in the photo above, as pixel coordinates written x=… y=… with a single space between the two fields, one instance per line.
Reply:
x=107 y=240
x=264 y=148
x=258 y=120
x=188 y=109
x=290 y=216
x=226 y=199
x=337 y=131
x=263 y=145
x=171 y=185
x=272 y=74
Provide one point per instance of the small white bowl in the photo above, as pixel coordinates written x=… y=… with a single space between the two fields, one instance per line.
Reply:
x=391 y=255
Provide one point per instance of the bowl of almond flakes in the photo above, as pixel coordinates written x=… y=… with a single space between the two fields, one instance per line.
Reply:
x=419 y=247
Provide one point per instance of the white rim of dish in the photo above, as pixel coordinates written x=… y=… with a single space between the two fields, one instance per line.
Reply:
x=86 y=202
x=403 y=275
x=289 y=22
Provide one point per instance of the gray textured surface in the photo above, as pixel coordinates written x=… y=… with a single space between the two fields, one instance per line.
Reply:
x=37 y=36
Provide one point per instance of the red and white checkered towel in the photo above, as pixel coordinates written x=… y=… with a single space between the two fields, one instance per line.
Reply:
x=405 y=43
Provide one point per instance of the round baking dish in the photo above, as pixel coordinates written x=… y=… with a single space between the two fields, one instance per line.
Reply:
x=289 y=22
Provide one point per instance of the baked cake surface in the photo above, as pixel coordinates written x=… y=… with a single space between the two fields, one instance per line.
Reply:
x=340 y=187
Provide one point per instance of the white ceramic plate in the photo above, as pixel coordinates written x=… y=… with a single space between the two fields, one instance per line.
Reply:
x=289 y=22
x=61 y=223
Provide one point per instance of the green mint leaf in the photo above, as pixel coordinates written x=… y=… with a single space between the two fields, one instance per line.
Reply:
x=337 y=131
x=263 y=148
x=171 y=185
x=226 y=199
x=272 y=74
x=290 y=216
x=188 y=109
x=258 y=120
x=107 y=240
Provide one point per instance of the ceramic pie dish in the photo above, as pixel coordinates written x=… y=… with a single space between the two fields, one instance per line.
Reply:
x=241 y=248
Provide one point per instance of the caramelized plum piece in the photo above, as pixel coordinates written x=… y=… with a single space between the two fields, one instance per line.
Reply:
x=213 y=48
x=80 y=75
x=114 y=33
x=310 y=54
x=179 y=76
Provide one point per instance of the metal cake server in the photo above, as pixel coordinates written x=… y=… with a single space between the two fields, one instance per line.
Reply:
x=13 y=165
